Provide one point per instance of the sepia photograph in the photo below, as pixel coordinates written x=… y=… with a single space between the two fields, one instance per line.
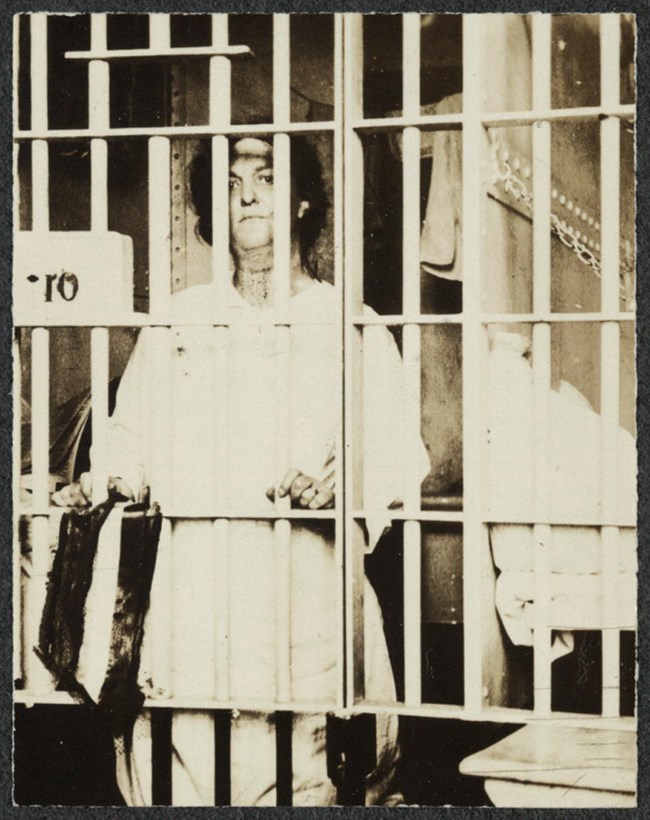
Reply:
x=324 y=409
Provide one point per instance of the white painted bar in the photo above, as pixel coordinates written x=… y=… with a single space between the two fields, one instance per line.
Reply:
x=15 y=63
x=494 y=714
x=412 y=535
x=541 y=165
x=542 y=532
x=339 y=452
x=610 y=184
x=159 y=193
x=38 y=70
x=159 y=32
x=220 y=115
x=40 y=413
x=611 y=636
x=541 y=32
x=353 y=345
x=281 y=294
x=40 y=186
x=182 y=131
x=411 y=222
x=412 y=614
x=98 y=117
x=221 y=536
x=160 y=618
x=37 y=677
x=160 y=53
x=99 y=377
x=17 y=656
x=473 y=344
x=159 y=204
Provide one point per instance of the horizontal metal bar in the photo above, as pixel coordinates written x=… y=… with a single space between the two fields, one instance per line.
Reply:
x=554 y=318
x=596 y=112
x=176 y=131
x=159 y=54
x=452 y=516
x=147 y=320
x=408 y=319
x=431 y=122
x=449 y=122
x=495 y=714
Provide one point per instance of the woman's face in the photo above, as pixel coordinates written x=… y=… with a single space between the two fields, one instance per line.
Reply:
x=251 y=195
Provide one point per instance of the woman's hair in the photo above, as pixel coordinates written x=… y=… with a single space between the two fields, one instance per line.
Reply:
x=307 y=175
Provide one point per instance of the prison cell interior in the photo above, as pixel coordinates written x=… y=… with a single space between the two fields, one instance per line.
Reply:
x=530 y=250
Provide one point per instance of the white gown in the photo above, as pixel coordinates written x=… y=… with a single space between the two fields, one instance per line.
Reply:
x=252 y=399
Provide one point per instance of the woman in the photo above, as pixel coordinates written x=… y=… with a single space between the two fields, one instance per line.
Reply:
x=251 y=474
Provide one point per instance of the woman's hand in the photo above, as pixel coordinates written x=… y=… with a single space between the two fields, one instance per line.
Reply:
x=305 y=491
x=79 y=493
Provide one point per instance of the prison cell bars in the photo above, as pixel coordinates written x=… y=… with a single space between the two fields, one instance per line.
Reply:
x=476 y=705
x=474 y=529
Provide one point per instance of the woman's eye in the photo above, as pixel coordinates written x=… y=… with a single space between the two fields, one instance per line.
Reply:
x=267 y=179
x=232 y=184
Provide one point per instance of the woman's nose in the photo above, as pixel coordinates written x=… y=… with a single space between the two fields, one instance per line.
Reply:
x=248 y=192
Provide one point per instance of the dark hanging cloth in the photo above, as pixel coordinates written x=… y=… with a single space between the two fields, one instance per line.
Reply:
x=61 y=632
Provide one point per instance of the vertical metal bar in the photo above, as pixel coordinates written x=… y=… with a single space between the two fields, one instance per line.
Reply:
x=99 y=375
x=159 y=228
x=473 y=341
x=281 y=293
x=353 y=345
x=16 y=463
x=17 y=656
x=541 y=165
x=98 y=117
x=610 y=46
x=159 y=31
x=38 y=679
x=159 y=206
x=38 y=71
x=411 y=353
x=542 y=359
x=542 y=533
x=339 y=524
x=220 y=114
x=40 y=150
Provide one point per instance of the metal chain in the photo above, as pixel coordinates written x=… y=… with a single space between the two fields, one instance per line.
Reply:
x=569 y=236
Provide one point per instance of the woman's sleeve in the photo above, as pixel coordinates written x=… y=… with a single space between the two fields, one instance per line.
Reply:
x=127 y=429
x=392 y=460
